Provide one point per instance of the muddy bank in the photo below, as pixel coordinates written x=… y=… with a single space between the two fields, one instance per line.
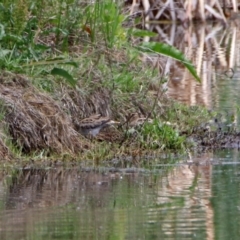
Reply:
x=218 y=139
x=36 y=122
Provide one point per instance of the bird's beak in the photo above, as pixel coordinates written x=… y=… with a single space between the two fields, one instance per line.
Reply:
x=113 y=122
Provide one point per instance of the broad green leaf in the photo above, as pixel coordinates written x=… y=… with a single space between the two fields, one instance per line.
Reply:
x=4 y=52
x=63 y=73
x=40 y=47
x=62 y=60
x=142 y=33
x=52 y=61
x=13 y=38
x=2 y=31
x=72 y=63
x=55 y=59
x=169 y=51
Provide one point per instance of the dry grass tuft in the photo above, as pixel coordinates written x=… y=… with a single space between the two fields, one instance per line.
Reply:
x=35 y=121
x=81 y=105
x=5 y=154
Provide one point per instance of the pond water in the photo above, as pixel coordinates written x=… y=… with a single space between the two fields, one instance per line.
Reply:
x=214 y=49
x=191 y=200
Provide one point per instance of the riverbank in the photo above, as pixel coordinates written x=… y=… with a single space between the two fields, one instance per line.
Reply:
x=61 y=65
x=36 y=123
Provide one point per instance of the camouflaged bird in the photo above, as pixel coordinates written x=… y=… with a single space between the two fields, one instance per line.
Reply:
x=92 y=125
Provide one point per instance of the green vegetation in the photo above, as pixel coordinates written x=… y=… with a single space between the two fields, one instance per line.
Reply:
x=66 y=60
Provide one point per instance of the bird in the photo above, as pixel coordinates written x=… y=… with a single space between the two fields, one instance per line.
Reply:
x=136 y=120
x=92 y=125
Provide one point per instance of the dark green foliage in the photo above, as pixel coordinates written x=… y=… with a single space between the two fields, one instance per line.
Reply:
x=161 y=135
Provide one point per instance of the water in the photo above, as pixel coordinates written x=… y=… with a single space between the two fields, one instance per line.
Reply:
x=214 y=49
x=198 y=200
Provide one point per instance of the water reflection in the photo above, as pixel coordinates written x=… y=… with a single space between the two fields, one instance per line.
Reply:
x=214 y=50
x=198 y=200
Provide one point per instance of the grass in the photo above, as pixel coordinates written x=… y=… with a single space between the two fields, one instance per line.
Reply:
x=80 y=59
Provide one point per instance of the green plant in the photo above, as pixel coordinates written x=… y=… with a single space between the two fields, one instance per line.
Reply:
x=169 y=51
x=105 y=21
x=161 y=135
